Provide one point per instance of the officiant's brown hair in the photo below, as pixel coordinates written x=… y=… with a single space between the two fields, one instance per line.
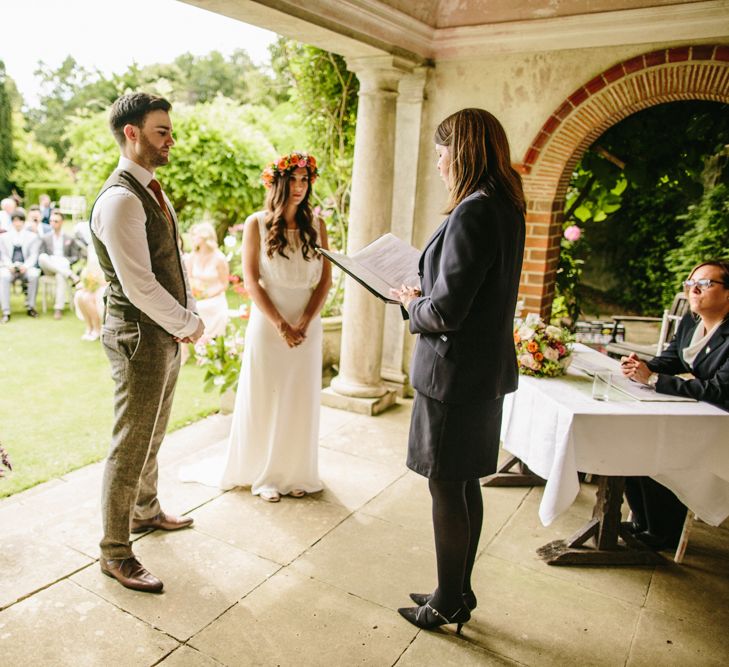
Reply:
x=480 y=158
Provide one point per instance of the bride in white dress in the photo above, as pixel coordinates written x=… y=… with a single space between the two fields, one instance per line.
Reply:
x=274 y=437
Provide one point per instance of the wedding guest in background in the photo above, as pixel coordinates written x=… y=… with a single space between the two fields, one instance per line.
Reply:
x=34 y=222
x=88 y=300
x=208 y=272
x=274 y=438
x=45 y=206
x=464 y=360
x=58 y=253
x=701 y=348
x=7 y=208
x=18 y=261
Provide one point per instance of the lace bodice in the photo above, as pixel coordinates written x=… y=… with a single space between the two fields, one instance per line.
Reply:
x=294 y=272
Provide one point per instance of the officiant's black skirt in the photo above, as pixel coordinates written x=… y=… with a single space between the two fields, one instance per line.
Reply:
x=454 y=442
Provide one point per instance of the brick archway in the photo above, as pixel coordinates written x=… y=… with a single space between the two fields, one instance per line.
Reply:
x=670 y=75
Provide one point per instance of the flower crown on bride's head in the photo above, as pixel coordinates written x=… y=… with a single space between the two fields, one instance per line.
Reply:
x=286 y=164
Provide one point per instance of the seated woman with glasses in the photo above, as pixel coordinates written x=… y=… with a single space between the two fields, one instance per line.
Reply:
x=701 y=348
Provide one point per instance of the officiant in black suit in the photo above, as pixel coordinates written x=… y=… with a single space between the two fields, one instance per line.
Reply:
x=464 y=360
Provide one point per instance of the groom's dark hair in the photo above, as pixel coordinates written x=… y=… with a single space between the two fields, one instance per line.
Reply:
x=131 y=109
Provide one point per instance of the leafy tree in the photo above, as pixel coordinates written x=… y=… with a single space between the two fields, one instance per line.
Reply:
x=68 y=89
x=7 y=157
x=195 y=79
x=705 y=236
x=324 y=96
x=214 y=169
x=189 y=79
x=92 y=151
x=216 y=165
x=34 y=162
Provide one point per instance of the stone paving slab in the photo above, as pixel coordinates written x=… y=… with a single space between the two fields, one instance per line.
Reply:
x=279 y=532
x=29 y=564
x=673 y=641
x=67 y=625
x=373 y=559
x=445 y=649
x=189 y=441
x=294 y=620
x=186 y=656
x=689 y=589
x=371 y=442
x=351 y=481
x=330 y=420
x=524 y=534
x=405 y=502
x=537 y=619
x=202 y=575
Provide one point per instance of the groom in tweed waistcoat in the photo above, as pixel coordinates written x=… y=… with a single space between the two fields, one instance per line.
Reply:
x=149 y=312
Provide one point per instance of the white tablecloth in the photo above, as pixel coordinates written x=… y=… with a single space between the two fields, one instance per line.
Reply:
x=556 y=428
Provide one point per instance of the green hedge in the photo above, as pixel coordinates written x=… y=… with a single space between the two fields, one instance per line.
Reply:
x=54 y=190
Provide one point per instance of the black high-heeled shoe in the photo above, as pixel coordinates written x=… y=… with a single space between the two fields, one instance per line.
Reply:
x=469 y=599
x=428 y=618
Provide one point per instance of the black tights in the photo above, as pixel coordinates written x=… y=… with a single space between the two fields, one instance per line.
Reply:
x=457 y=519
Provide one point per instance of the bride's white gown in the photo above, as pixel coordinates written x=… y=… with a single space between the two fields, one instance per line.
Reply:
x=274 y=436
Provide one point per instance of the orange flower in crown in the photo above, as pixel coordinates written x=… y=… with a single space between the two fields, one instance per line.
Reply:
x=286 y=164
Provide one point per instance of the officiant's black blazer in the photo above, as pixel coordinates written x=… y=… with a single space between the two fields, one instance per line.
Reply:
x=469 y=273
x=710 y=369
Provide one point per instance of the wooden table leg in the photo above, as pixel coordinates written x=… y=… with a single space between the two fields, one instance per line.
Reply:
x=504 y=476
x=614 y=545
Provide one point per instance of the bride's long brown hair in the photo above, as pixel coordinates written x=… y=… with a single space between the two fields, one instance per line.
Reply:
x=276 y=198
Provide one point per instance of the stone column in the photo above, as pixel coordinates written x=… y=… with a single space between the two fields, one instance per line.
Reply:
x=397 y=341
x=359 y=387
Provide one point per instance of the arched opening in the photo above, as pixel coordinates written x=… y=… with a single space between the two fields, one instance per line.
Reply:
x=685 y=73
x=645 y=204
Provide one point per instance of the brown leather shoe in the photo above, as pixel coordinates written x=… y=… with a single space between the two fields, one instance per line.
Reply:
x=162 y=521
x=130 y=573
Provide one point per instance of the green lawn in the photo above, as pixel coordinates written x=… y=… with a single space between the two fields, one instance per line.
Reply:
x=56 y=397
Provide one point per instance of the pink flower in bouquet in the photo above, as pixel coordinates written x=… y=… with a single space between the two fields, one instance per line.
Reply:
x=527 y=361
x=572 y=233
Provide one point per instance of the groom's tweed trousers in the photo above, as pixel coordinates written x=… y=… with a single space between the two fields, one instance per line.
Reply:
x=145 y=362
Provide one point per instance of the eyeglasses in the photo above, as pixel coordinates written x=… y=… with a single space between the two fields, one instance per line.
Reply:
x=703 y=284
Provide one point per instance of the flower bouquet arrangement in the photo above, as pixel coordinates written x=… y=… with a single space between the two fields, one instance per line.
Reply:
x=221 y=357
x=542 y=350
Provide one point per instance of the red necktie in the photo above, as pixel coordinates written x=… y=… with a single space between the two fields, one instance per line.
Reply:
x=155 y=187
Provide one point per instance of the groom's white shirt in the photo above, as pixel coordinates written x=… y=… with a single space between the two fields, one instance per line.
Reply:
x=119 y=222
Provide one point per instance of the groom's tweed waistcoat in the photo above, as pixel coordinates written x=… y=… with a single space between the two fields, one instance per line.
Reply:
x=163 y=252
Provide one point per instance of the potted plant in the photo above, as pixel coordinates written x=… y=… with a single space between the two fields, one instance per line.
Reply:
x=221 y=359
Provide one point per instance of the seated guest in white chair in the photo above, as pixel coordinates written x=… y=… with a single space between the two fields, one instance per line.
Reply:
x=18 y=261
x=58 y=253
x=701 y=348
